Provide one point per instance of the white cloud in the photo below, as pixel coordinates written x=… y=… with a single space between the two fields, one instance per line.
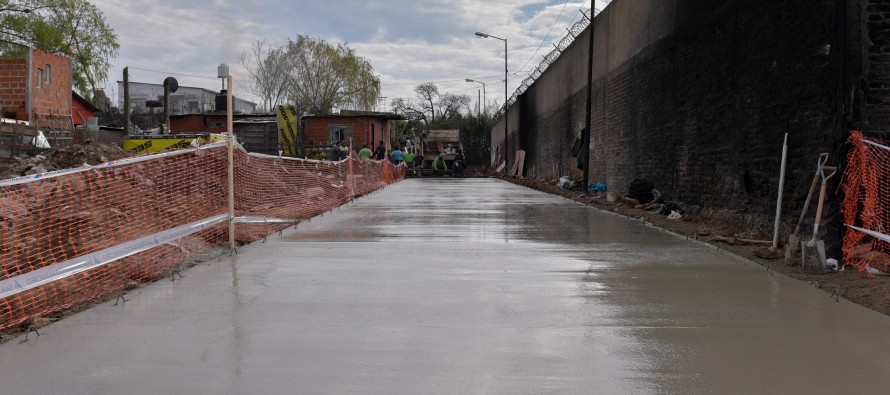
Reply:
x=407 y=41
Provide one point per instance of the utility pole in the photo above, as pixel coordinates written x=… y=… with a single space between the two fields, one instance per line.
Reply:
x=126 y=100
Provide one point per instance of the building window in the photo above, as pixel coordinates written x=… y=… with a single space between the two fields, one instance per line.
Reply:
x=48 y=74
x=339 y=132
x=39 y=78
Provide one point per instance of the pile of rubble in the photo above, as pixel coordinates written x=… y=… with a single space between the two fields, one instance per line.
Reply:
x=66 y=158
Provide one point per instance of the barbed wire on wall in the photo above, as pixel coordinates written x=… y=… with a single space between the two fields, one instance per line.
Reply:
x=551 y=57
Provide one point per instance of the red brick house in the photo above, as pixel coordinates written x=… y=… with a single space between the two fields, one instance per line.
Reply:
x=363 y=127
x=35 y=88
x=259 y=132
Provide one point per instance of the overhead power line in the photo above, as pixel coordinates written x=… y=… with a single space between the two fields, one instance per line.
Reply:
x=172 y=73
x=545 y=37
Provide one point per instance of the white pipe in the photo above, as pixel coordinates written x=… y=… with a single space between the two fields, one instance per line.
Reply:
x=781 y=191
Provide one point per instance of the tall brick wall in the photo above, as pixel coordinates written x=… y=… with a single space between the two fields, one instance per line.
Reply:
x=703 y=111
x=54 y=97
x=696 y=95
x=876 y=79
x=551 y=113
x=13 y=87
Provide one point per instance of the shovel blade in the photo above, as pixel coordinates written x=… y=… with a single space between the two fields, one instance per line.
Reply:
x=792 y=248
x=812 y=257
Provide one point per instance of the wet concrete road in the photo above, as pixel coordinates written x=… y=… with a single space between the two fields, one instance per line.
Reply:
x=469 y=286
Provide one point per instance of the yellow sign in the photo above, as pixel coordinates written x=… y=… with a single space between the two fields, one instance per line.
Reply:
x=168 y=142
x=288 y=129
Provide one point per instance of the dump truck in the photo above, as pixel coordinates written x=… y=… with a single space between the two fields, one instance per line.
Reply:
x=437 y=142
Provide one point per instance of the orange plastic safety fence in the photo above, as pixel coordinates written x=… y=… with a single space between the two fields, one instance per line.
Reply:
x=866 y=206
x=64 y=217
x=70 y=237
x=269 y=188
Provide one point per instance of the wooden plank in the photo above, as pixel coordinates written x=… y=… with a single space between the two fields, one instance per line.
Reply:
x=520 y=160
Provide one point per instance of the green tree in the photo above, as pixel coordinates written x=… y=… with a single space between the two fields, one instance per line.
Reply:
x=320 y=76
x=73 y=28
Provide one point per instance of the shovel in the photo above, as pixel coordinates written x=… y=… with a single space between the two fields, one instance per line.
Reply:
x=816 y=248
x=792 y=248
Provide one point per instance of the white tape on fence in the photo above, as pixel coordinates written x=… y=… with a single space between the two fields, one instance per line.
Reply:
x=876 y=144
x=877 y=235
x=58 y=271
x=264 y=220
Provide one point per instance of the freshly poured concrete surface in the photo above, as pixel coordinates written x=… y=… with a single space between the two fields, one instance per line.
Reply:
x=465 y=286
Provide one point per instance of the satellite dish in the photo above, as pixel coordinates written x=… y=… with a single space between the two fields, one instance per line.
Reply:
x=171 y=83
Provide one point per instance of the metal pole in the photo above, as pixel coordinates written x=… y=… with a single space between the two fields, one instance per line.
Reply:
x=126 y=100
x=231 y=159
x=506 y=114
x=166 y=126
x=484 y=100
x=478 y=102
x=229 y=109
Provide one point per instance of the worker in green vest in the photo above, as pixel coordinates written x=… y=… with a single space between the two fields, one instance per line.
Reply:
x=410 y=159
x=365 y=152
x=439 y=166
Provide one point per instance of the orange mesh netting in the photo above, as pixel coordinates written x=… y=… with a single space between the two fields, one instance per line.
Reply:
x=273 y=192
x=866 y=206
x=74 y=236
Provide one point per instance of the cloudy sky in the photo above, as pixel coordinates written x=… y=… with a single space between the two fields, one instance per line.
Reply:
x=407 y=41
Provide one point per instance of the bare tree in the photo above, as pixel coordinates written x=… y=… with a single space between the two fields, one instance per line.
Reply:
x=428 y=93
x=433 y=109
x=452 y=106
x=266 y=65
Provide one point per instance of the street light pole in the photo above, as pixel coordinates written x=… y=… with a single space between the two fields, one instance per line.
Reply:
x=506 y=115
x=484 y=100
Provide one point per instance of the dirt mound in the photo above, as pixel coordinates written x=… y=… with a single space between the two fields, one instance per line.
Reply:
x=66 y=158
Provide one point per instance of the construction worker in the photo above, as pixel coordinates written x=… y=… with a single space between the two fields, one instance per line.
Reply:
x=380 y=152
x=410 y=159
x=459 y=164
x=365 y=152
x=397 y=156
x=344 y=150
x=439 y=166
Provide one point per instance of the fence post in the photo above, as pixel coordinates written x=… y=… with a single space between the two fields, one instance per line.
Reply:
x=231 y=160
x=231 y=187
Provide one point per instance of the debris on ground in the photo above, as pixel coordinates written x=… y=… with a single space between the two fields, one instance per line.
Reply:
x=733 y=240
x=66 y=158
x=566 y=182
x=768 y=253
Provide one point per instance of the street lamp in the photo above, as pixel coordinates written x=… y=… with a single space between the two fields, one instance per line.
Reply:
x=506 y=116
x=483 y=90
